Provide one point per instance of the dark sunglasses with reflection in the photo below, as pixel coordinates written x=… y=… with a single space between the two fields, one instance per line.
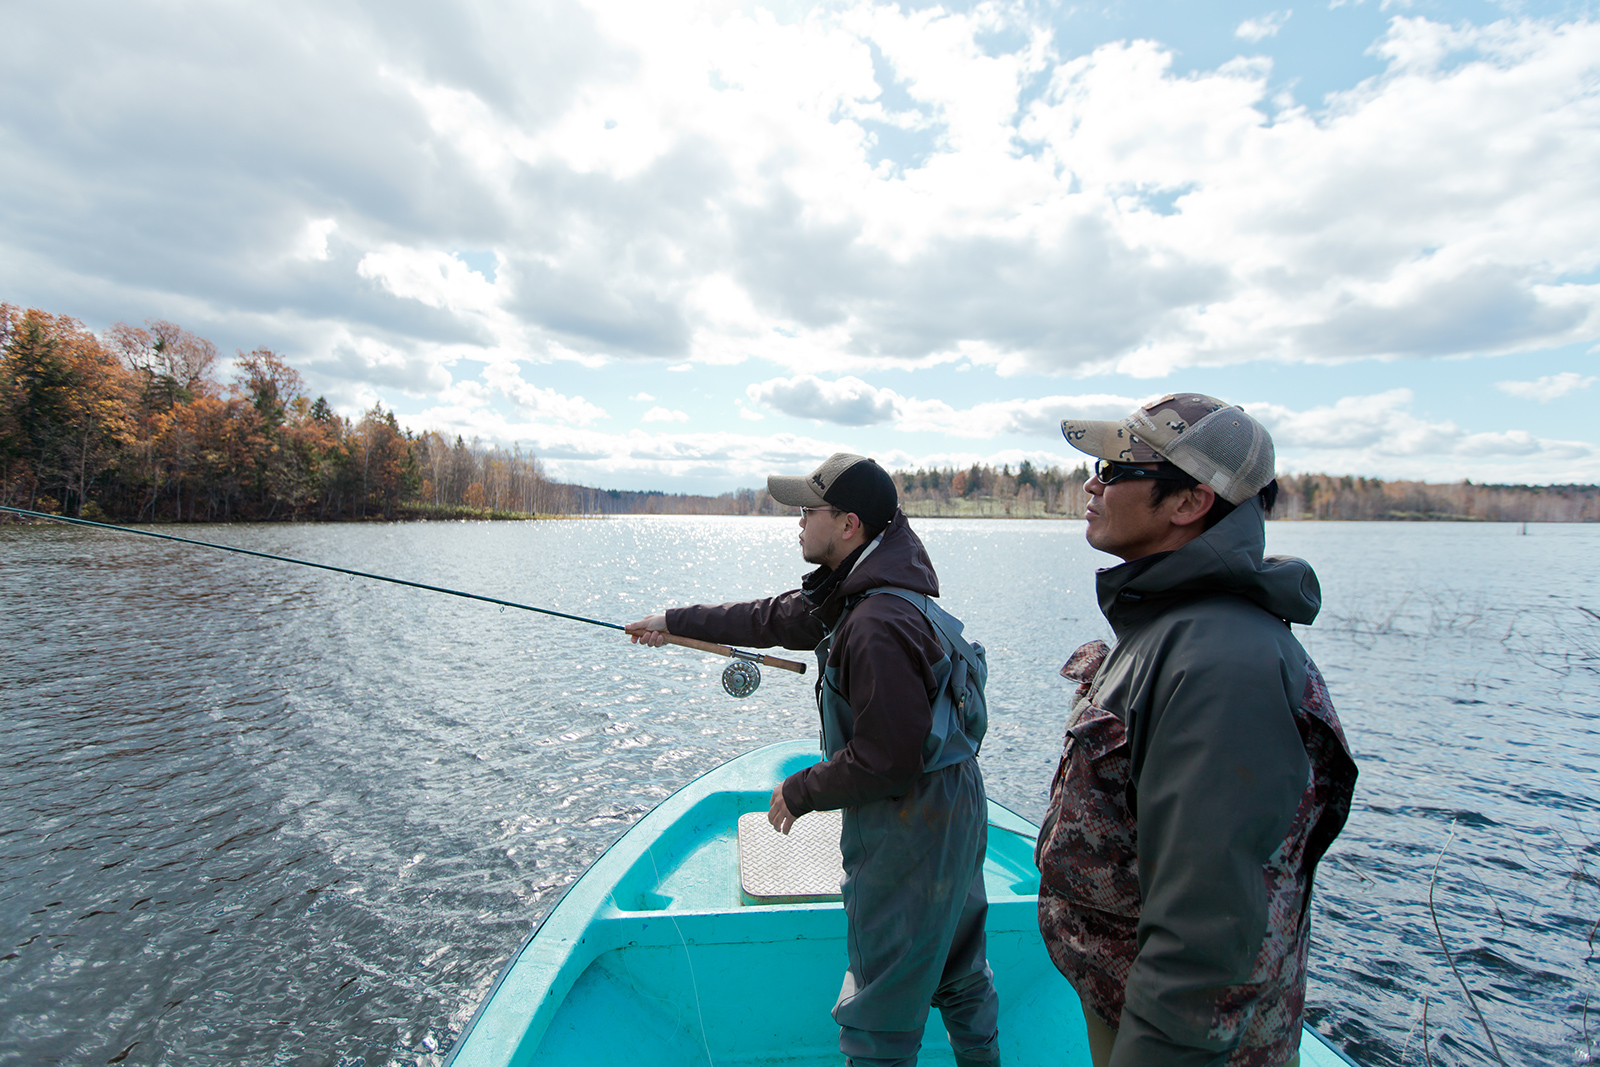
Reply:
x=1110 y=472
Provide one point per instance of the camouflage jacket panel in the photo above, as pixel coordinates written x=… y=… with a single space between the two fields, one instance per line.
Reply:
x=1088 y=850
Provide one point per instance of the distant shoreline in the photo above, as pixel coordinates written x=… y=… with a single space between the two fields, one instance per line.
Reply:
x=137 y=426
x=467 y=515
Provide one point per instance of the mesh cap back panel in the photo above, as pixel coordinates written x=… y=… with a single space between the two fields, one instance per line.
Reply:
x=1228 y=451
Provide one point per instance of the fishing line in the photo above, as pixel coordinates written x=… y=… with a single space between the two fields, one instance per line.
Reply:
x=694 y=984
x=308 y=563
x=739 y=679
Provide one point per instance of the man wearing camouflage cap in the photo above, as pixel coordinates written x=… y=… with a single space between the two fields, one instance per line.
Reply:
x=914 y=812
x=1204 y=771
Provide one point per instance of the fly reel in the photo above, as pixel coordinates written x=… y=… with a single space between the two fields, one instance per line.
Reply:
x=740 y=678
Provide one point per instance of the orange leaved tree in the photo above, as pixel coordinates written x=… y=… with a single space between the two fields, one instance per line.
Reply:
x=65 y=411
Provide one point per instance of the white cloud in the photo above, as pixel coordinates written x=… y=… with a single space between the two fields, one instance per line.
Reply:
x=643 y=398
x=1547 y=388
x=1380 y=435
x=536 y=402
x=664 y=415
x=437 y=279
x=1036 y=417
x=846 y=402
x=853 y=402
x=705 y=184
x=313 y=242
x=1259 y=29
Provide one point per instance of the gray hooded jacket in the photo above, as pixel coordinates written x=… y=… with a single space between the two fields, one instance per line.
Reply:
x=1203 y=774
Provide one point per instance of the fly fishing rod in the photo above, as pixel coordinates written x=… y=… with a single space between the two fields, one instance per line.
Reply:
x=740 y=678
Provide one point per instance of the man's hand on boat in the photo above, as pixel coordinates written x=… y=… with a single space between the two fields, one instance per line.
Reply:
x=650 y=630
x=778 y=815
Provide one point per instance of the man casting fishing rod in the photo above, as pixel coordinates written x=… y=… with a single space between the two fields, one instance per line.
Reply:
x=915 y=814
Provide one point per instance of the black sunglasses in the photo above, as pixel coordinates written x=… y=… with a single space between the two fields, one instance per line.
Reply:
x=1110 y=472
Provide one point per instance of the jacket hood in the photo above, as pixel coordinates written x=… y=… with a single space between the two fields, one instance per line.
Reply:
x=1228 y=558
x=897 y=557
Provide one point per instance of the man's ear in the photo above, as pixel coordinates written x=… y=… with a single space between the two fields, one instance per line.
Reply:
x=1193 y=504
x=852 y=525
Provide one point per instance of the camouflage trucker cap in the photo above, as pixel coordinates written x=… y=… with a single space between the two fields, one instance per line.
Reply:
x=1214 y=442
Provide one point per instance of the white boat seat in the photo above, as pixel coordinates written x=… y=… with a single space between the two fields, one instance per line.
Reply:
x=805 y=866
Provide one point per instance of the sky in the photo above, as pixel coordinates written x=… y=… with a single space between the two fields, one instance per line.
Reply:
x=681 y=246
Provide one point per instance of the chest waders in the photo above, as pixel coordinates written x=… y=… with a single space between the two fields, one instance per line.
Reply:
x=960 y=714
x=913 y=890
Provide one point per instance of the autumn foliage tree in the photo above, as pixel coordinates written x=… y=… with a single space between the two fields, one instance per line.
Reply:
x=65 y=405
x=138 y=427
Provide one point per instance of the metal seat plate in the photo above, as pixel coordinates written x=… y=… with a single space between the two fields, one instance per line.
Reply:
x=804 y=866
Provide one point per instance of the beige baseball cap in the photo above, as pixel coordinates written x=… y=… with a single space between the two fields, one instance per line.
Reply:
x=1212 y=441
x=845 y=481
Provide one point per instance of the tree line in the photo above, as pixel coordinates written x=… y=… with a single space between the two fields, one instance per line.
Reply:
x=136 y=426
x=1054 y=492
x=1325 y=496
x=981 y=491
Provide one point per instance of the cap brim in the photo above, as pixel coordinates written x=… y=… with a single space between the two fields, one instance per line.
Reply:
x=795 y=490
x=1104 y=440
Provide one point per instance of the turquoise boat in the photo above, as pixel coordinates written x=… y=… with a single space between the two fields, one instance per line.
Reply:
x=702 y=937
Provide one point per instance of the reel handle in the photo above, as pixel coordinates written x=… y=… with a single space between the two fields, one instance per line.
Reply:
x=725 y=650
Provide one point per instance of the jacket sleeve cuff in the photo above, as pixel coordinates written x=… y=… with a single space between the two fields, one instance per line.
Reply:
x=1139 y=1044
x=796 y=796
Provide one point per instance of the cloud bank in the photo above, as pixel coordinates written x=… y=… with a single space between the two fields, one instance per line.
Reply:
x=655 y=180
x=1549 y=387
x=438 y=201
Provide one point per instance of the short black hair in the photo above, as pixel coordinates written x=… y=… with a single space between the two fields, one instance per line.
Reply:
x=870 y=531
x=1181 y=479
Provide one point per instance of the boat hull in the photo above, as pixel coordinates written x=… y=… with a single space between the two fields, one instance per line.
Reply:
x=655 y=956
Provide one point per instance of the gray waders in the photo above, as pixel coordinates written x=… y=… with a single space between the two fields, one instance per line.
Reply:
x=915 y=902
x=913 y=874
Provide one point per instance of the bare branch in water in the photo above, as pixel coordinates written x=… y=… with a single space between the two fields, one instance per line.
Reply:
x=1588 y=1049
x=1427 y=1057
x=1345 y=863
x=1535 y=864
x=1434 y=914
x=1406 y=1048
x=1493 y=903
x=1592 y=929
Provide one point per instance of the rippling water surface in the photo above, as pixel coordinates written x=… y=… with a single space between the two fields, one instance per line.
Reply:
x=259 y=814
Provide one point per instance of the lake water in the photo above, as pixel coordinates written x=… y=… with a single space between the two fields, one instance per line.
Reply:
x=253 y=813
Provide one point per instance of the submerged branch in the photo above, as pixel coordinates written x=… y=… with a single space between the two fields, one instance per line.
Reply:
x=1434 y=915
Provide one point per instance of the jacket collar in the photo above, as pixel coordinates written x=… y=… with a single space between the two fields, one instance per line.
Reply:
x=895 y=557
x=1228 y=558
